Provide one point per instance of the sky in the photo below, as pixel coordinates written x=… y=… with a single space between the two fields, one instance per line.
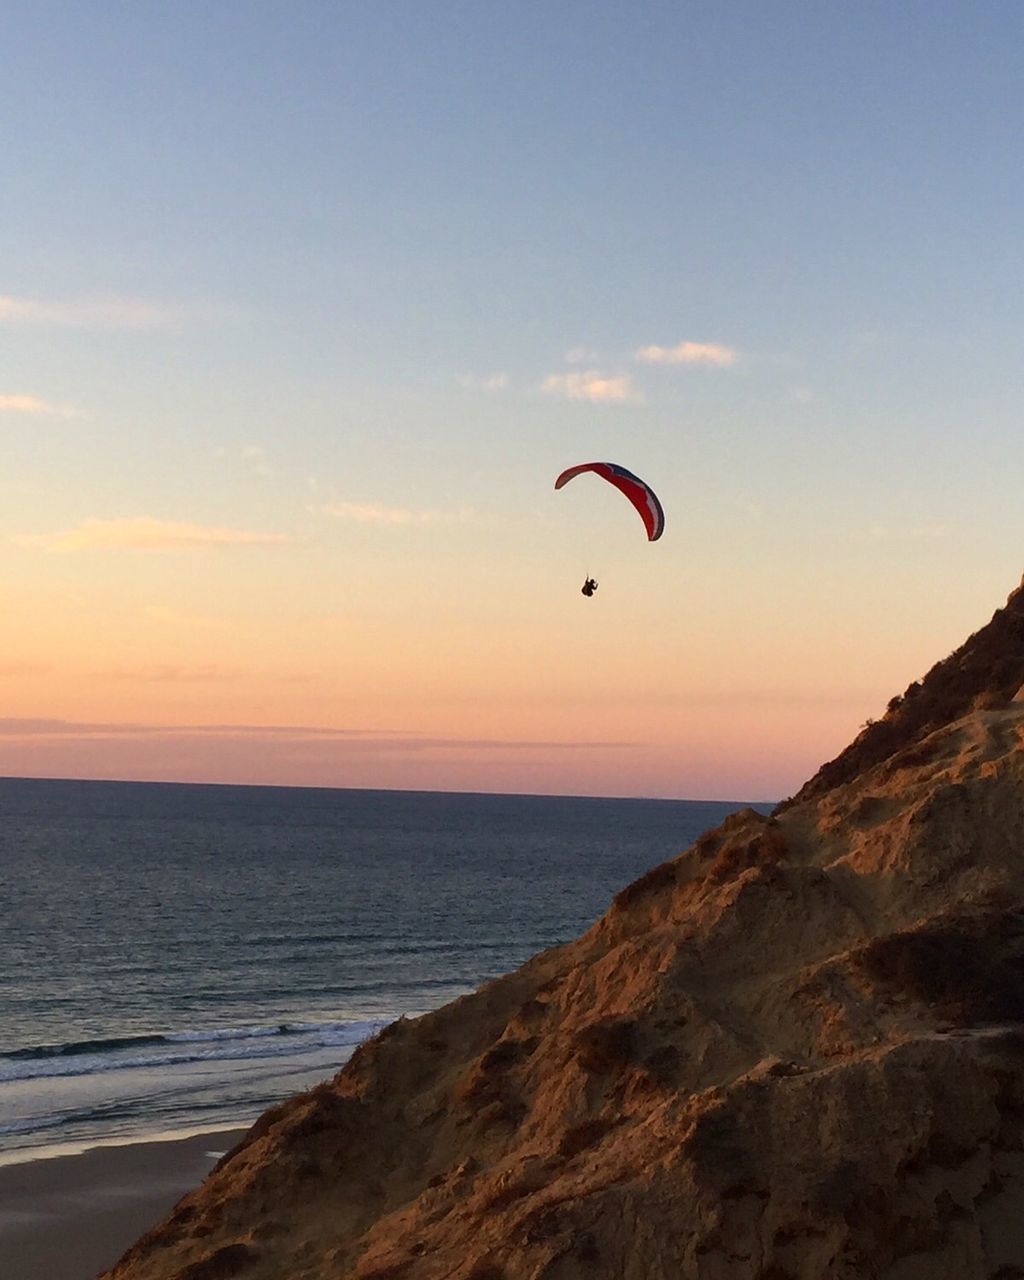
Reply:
x=304 y=307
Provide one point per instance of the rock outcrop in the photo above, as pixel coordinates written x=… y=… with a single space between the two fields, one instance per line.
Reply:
x=793 y=1052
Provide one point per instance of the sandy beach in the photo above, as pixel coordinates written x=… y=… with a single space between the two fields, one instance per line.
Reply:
x=69 y=1217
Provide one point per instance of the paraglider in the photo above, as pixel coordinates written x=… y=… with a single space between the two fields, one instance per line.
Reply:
x=640 y=494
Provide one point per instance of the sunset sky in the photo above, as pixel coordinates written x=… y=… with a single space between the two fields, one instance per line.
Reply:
x=303 y=307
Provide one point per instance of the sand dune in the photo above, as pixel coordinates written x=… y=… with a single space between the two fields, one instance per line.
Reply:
x=793 y=1052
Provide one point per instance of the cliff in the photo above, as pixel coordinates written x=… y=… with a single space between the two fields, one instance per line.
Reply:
x=793 y=1052
x=987 y=670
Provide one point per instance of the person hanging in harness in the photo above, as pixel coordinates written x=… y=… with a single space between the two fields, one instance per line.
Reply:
x=589 y=587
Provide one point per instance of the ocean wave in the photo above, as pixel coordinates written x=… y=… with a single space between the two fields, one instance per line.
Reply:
x=177 y=1048
x=73 y=1047
x=162 y=1113
x=29 y=1124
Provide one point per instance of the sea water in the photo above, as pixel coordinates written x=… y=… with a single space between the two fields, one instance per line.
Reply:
x=175 y=958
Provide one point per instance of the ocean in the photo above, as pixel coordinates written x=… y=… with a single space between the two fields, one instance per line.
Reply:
x=175 y=958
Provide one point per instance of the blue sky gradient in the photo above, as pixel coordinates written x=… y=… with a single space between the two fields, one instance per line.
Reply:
x=355 y=282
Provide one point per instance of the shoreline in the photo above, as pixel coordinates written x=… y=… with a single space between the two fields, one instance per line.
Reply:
x=68 y=1150
x=70 y=1216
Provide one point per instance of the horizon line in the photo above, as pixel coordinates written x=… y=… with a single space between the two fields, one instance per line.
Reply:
x=299 y=786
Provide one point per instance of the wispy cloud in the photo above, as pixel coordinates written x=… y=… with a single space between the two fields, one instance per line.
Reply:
x=711 y=353
x=34 y=406
x=599 y=388
x=173 y=673
x=200 y=673
x=484 y=381
x=144 y=533
x=108 y=312
x=251 y=457
x=376 y=513
x=919 y=533
x=28 y=727
x=380 y=739
x=19 y=669
x=580 y=355
x=255 y=457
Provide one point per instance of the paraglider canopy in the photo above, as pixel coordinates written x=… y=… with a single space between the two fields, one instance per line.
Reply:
x=636 y=490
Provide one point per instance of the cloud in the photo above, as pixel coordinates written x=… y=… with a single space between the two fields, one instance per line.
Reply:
x=255 y=457
x=86 y=313
x=712 y=353
x=599 y=388
x=199 y=673
x=754 y=510
x=34 y=406
x=926 y=533
x=363 y=739
x=375 y=513
x=580 y=355
x=144 y=533
x=170 y=673
x=484 y=382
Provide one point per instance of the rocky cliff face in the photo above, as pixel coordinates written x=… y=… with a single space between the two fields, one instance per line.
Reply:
x=793 y=1052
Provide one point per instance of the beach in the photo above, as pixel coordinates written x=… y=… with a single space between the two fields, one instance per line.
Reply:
x=70 y=1217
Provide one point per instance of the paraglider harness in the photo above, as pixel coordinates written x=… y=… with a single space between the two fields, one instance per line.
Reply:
x=589 y=587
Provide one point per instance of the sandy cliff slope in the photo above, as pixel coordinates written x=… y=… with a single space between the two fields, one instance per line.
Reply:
x=793 y=1052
